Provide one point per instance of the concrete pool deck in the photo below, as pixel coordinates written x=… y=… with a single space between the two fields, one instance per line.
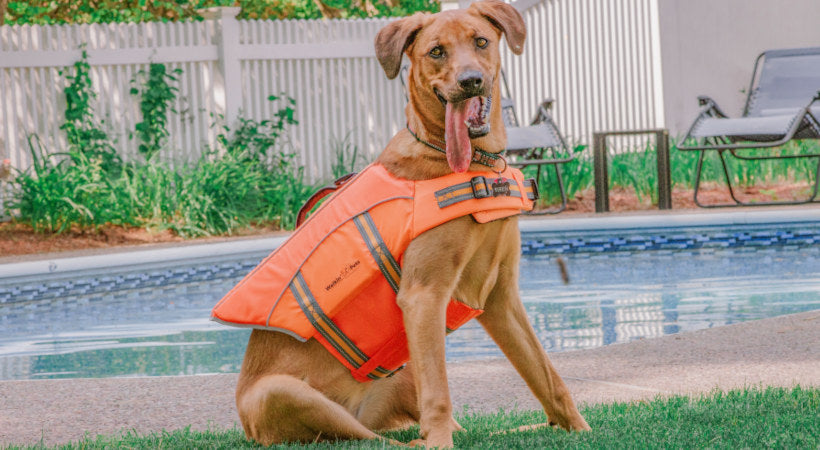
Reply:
x=780 y=351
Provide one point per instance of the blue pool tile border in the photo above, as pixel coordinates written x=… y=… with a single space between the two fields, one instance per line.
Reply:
x=659 y=240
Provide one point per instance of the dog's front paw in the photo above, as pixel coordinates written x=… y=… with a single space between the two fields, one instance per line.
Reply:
x=456 y=426
x=573 y=423
x=579 y=424
x=442 y=439
x=440 y=436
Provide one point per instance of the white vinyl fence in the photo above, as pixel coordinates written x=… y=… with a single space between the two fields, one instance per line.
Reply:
x=599 y=59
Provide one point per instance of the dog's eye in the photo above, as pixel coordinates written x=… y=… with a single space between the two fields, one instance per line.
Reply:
x=481 y=42
x=437 y=52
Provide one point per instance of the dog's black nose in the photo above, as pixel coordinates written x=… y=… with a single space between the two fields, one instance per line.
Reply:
x=471 y=81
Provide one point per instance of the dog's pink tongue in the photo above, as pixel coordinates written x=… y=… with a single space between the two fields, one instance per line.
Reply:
x=456 y=136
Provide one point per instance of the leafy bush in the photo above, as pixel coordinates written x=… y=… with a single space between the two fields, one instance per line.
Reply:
x=157 y=92
x=74 y=190
x=84 y=132
x=220 y=193
x=245 y=180
x=346 y=157
x=43 y=12
x=213 y=196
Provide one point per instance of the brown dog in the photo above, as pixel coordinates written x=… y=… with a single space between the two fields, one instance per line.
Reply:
x=294 y=391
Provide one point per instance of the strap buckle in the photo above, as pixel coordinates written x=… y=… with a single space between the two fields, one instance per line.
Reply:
x=479 y=185
x=534 y=185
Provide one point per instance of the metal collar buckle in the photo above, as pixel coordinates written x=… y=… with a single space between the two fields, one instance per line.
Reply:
x=479 y=185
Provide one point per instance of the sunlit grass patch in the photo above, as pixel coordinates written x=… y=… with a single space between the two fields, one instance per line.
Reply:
x=746 y=418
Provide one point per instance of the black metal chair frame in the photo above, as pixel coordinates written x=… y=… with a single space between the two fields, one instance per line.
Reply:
x=537 y=156
x=804 y=119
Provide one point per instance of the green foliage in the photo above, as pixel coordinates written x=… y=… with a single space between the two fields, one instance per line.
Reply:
x=44 y=12
x=253 y=140
x=746 y=418
x=245 y=180
x=214 y=195
x=58 y=192
x=157 y=93
x=577 y=175
x=748 y=173
x=84 y=132
x=346 y=157
x=638 y=170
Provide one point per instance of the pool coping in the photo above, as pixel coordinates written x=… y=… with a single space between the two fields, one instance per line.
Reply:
x=55 y=264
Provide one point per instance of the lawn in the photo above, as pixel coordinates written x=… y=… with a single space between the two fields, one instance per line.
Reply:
x=749 y=418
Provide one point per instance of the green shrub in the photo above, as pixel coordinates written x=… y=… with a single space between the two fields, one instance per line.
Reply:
x=85 y=134
x=44 y=12
x=63 y=190
x=346 y=157
x=220 y=196
x=157 y=93
x=245 y=180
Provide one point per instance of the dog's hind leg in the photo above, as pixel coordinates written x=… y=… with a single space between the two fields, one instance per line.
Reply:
x=506 y=322
x=390 y=403
x=281 y=408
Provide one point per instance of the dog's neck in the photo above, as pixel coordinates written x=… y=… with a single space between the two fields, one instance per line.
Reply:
x=406 y=157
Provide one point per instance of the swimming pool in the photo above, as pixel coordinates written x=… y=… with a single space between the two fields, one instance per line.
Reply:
x=626 y=284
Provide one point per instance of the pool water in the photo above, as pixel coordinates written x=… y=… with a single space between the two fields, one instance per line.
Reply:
x=157 y=323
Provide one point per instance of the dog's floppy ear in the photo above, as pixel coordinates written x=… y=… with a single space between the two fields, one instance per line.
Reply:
x=393 y=40
x=507 y=19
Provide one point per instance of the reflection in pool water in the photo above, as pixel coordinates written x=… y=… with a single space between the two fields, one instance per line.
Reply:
x=163 y=329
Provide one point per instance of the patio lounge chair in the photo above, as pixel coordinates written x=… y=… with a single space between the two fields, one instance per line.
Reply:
x=783 y=103
x=535 y=145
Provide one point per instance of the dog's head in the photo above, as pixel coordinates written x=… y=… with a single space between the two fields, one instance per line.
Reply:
x=453 y=77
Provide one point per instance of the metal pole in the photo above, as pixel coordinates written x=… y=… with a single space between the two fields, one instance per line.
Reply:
x=599 y=159
x=664 y=175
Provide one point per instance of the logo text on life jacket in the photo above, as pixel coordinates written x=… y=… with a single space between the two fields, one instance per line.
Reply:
x=346 y=270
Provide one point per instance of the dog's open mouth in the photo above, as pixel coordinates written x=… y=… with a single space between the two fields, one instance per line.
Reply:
x=465 y=120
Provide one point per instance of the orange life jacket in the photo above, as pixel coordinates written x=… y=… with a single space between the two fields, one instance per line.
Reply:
x=336 y=277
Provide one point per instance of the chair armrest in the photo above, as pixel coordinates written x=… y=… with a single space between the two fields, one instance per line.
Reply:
x=710 y=107
x=704 y=100
x=542 y=113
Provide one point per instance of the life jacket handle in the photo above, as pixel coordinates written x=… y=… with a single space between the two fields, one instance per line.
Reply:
x=319 y=195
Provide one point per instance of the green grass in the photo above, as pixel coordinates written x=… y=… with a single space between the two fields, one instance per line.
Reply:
x=748 y=418
x=638 y=170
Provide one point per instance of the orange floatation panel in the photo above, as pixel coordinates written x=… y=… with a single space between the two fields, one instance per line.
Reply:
x=336 y=277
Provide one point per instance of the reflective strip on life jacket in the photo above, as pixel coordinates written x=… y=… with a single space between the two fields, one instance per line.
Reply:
x=324 y=325
x=329 y=331
x=387 y=263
